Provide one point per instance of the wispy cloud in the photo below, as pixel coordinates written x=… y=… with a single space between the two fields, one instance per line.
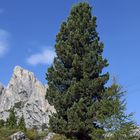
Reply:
x=4 y=42
x=46 y=57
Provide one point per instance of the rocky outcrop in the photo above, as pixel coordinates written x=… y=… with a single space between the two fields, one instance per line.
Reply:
x=18 y=136
x=1 y=88
x=27 y=95
x=21 y=136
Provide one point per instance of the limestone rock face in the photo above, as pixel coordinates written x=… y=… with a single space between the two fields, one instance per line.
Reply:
x=18 y=136
x=1 y=88
x=27 y=95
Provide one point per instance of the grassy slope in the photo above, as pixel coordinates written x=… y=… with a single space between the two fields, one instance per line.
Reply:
x=5 y=134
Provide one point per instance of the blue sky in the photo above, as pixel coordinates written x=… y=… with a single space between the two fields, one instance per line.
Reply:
x=27 y=37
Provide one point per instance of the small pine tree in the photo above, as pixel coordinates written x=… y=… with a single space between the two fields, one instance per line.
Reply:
x=2 y=123
x=86 y=108
x=21 y=123
x=12 y=120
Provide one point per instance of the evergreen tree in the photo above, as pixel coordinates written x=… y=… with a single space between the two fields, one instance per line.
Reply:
x=12 y=120
x=86 y=108
x=2 y=123
x=21 y=123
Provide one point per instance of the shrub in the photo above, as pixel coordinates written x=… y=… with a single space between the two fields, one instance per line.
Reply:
x=2 y=123
x=59 y=137
x=5 y=133
x=33 y=134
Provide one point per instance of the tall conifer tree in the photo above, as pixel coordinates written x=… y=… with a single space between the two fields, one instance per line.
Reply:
x=86 y=108
x=12 y=120
x=21 y=123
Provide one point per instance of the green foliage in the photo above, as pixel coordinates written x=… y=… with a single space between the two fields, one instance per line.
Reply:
x=10 y=126
x=33 y=134
x=86 y=108
x=21 y=123
x=2 y=123
x=5 y=133
x=59 y=137
x=126 y=132
x=12 y=120
x=44 y=127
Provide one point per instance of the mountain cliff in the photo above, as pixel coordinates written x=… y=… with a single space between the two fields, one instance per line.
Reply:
x=27 y=95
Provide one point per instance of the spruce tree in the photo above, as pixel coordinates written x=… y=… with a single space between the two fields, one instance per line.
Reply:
x=86 y=108
x=21 y=123
x=12 y=120
x=2 y=123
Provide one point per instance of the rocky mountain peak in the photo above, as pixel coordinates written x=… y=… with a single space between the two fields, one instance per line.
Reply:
x=23 y=75
x=27 y=95
x=19 y=72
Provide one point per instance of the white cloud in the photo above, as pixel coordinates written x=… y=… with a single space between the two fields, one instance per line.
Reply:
x=44 y=57
x=4 y=42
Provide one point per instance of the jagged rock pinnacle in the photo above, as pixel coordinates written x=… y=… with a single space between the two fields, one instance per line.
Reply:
x=27 y=95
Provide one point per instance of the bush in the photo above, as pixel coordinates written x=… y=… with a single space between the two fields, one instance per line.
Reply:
x=5 y=133
x=33 y=134
x=2 y=123
x=59 y=137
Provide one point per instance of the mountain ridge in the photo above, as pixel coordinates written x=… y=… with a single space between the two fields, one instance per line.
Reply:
x=26 y=94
